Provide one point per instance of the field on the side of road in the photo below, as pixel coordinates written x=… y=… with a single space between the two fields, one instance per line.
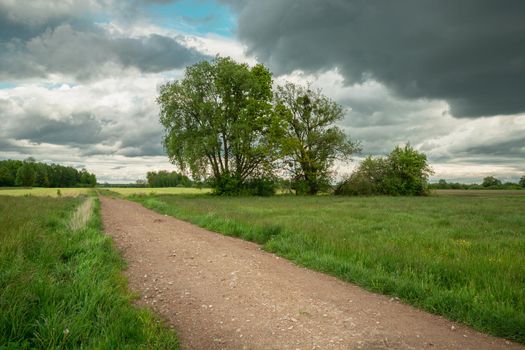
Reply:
x=61 y=285
x=72 y=192
x=44 y=191
x=458 y=256
x=157 y=190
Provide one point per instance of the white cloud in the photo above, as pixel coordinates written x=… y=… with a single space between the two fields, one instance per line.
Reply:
x=212 y=45
x=37 y=12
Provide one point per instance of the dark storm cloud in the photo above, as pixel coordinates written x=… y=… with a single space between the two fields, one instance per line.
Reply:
x=470 y=53
x=86 y=54
x=505 y=148
x=77 y=130
x=142 y=142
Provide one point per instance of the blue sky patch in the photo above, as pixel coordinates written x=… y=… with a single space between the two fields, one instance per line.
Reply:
x=195 y=17
x=7 y=85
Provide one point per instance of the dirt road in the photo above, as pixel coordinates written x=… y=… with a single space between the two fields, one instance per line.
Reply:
x=224 y=293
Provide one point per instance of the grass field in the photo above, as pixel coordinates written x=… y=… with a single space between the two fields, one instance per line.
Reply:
x=41 y=191
x=61 y=285
x=71 y=192
x=458 y=256
x=479 y=193
x=161 y=190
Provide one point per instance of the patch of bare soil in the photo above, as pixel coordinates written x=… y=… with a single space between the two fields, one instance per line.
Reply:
x=220 y=292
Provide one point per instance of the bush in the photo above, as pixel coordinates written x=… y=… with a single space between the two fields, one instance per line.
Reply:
x=404 y=172
x=228 y=185
x=369 y=179
x=491 y=181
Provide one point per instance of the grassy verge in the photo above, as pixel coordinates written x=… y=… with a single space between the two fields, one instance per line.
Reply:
x=461 y=257
x=61 y=285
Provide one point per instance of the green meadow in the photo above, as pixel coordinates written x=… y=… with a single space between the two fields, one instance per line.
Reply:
x=44 y=191
x=157 y=190
x=61 y=282
x=456 y=255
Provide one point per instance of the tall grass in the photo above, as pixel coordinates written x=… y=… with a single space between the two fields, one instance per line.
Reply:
x=461 y=257
x=61 y=285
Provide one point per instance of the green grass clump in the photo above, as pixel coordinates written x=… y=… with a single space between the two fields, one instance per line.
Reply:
x=62 y=288
x=457 y=256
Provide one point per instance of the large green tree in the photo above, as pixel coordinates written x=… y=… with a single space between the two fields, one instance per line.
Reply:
x=312 y=142
x=490 y=181
x=25 y=176
x=219 y=121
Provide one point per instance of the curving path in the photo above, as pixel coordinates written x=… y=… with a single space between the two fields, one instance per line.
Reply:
x=220 y=292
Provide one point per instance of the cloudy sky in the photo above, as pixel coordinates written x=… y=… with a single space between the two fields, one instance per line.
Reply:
x=78 y=78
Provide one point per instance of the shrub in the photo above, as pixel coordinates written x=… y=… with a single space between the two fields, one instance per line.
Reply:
x=228 y=185
x=404 y=172
x=490 y=181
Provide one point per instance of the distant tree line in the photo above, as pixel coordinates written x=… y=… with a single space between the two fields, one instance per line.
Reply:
x=168 y=179
x=30 y=173
x=489 y=182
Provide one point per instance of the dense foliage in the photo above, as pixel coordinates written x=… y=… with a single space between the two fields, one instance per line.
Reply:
x=311 y=142
x=404 y=171
x=29 y=173
x=165 y=178
x=219 y=119
x=490 y=181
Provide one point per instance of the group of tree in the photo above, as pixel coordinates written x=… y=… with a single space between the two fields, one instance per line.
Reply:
x=404 y=171
x=226 y=123
x=489 y=182
x=168 y=179
x=29 y=173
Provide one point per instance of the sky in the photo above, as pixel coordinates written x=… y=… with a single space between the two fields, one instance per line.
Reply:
x=79 y=78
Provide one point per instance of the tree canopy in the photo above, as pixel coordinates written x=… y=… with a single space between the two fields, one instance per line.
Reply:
x=490 y=181
x=311 y=141
x=404 y=171
x=219 y=122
